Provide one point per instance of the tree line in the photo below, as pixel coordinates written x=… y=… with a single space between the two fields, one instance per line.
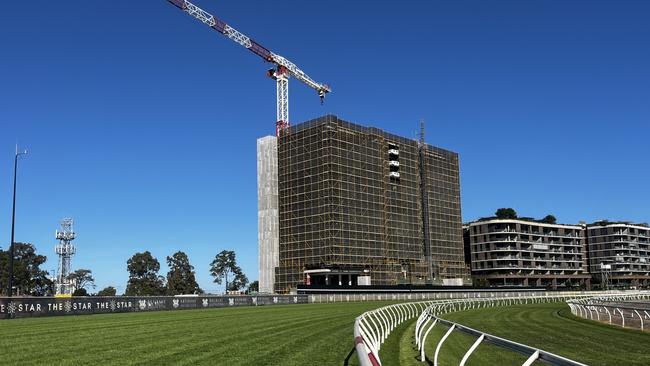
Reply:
x=144 y=279
x=143 y=269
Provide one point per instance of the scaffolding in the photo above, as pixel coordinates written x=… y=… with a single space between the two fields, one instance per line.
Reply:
x=350 y=205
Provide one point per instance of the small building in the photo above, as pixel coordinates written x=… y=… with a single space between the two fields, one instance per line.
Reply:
x=516 y=252
x=619 y=253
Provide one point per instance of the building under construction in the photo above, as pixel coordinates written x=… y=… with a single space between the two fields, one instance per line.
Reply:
x=359 y=206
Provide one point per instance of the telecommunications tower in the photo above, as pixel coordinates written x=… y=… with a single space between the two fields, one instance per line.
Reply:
x=65 y=250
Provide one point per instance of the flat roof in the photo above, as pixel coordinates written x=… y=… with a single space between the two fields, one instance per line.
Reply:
x=525 y=222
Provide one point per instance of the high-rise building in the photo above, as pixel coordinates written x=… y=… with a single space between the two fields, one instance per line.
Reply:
x=361 y=206
x=619 y=253
x=515 y=252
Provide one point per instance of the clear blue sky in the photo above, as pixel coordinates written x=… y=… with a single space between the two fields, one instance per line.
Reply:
x=141 y=122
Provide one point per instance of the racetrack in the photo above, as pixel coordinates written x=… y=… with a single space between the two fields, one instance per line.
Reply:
x=314 y=334
x=549 y=326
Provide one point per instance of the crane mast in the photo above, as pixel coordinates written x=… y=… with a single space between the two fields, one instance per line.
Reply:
x=281 y=73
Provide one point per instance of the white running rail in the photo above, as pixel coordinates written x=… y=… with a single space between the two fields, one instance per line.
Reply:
x=629 y=310
x=373 y=327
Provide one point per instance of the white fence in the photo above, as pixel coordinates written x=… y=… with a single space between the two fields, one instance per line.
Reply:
x=417 y=296
x=373 y=327
x=430 y=318
x=626 y=310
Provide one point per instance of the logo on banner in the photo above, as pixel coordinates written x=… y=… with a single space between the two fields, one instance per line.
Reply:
x=67 y=306
x=275 y=299
x=295 y=299
x=175 y=303
x=205 y=303
x=11 y=308
x=142 y=304
x=231 y=302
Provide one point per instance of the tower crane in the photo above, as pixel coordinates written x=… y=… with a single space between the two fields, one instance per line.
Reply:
x=280 y=73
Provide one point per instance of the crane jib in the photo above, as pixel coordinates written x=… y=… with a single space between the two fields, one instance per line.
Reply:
x=221 y=27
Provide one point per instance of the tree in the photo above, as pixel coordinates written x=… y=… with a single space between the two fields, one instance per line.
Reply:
x=506 y=213
x=143 y=276
x=225 y=264
x=254 y=287
x=180 y=278
x=29 y=278
x=107 y=291
x=239 y=282
x=549 y=219
x=81 y=278
x=80 y=292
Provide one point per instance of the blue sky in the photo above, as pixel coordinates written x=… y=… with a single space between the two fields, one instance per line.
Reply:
x=141 y=122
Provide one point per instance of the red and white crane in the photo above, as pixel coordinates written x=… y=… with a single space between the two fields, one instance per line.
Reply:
x=280 y=73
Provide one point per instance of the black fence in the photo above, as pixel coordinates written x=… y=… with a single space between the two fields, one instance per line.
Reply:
x=24 y=307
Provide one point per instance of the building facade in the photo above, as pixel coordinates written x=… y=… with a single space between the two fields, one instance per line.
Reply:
x=361 y=206
x=515 y=252
x=267 y=212
x=619 y=253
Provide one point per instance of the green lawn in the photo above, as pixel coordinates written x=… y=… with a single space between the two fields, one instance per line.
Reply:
x=547 y=326
x=274 y=335
x=302 y=335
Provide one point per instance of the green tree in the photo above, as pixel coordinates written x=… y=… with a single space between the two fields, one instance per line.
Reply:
x=549 y=219
x=506 y=213
x=181 y=278
x=29 y=278
x=107 y=291
x=143 y=276
x=225 y=264
x=239 y=282
x=82 y=278
x=80 y=292
x=254 y=287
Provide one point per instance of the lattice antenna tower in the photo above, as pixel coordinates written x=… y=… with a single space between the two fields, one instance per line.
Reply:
x=65 y=250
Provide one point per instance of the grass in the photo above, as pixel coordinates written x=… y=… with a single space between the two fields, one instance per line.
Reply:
x=316 y=334
x=550 y=327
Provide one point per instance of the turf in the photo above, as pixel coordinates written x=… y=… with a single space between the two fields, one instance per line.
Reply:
x=551 y=327
x=316 y=334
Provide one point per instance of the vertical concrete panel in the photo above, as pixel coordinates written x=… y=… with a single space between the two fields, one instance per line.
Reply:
x=267 y=211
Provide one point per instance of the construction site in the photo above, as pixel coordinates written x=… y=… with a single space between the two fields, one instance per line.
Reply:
x=357 y=206
x=340 y=204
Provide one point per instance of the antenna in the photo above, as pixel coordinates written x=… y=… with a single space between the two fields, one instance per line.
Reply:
x=422 y=132
x=65 y=249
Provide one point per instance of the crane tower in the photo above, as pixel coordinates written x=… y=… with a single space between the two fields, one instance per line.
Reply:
x=280 y=73
x=65 y=250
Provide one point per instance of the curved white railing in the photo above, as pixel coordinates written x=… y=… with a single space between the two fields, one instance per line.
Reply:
x=616 y=309
x=373 y=327
x=430 y=318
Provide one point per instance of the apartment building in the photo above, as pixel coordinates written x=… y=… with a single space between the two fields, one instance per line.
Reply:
x=516 y=252
x=619 y=253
